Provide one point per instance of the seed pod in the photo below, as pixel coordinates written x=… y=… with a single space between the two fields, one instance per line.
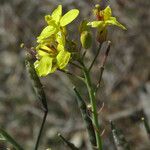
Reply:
x=86 y=39
x=37 y=85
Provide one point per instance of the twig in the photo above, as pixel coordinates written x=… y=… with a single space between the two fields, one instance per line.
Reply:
x=97 y=53
x=69 y=144
x=103 y=65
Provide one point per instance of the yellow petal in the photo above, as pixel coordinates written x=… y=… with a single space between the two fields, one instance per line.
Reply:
x=107 y=13
x=69 y=17
x=113 y=21
x=57 y=13
x=96 y=24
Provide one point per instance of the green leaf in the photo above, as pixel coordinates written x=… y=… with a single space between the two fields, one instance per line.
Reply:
x=43 y=66
x=96 y=24
x=63 y=58
x=69 y=17
x=113 y=21
x=46 y=32
x=57 y=13
x=2 y=137
x=10 y=139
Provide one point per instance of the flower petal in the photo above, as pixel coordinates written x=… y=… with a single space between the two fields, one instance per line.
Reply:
x=60 y=38
x=69 y=17
x=107 y=13
x=96 y=24
x=113 y=21
x=57 y=13
x=43 y=66
x=63 y=58
x=46 y=32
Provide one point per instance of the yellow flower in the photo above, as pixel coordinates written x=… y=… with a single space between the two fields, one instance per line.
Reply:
x=104 y=19
x=51 y=50
x=56 y=22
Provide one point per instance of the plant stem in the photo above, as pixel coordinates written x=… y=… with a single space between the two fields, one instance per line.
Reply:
x=69 y=144
x=103 y=65
x=71 y=74
x=94 y=108
x=41 y=129
x=97 y=53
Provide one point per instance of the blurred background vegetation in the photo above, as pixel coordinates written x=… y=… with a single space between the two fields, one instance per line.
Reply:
x=125 y=90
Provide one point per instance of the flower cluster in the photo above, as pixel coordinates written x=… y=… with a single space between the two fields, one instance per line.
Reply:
x=51 y=49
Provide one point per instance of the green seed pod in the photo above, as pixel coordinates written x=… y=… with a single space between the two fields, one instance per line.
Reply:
x=86 y=39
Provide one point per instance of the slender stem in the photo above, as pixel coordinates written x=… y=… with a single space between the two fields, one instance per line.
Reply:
x=94 y=108
x=41 y=129
x=69 y=144
x=71 y=74
x=76 y=65
x=147 y=126
x=103 y=66
x=97 y=53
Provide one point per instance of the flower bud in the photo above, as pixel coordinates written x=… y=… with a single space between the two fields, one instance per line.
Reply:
x=86 y=39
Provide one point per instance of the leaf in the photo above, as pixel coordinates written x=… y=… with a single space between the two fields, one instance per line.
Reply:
x=107 y=13
x=46 y=32
x=43 y=66
x=69 y=17
x=57 y=13
x=10 y=139
x=2 y=137
x=63 y=58
x=96 y=24
x=113 y=21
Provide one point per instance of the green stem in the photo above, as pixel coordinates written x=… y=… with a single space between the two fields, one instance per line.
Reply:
x=94 y=108
x=41 y=130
